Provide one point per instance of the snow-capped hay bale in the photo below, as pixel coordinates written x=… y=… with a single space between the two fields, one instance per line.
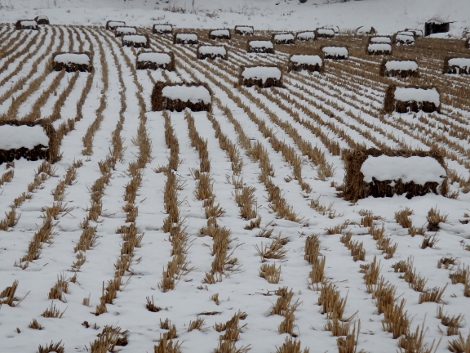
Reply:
x=283 y=38
x=325 y=33
x=372 y=172
x=72 y=61
x=379 y=49
x=380 y=40
x=406 y=99
x=124 y=30
x=457 y=66
x=418 y=33
x=401 y=68
x=177 y=97
x=404 y=38
x=212 y=52
x=111 y=24
x=366 y=30
x=260 y=46
x=335 y=52
x=261 y=76
x=185 y=38
x=221 y=33
x=244 y=30
x=162 y=28
x=305 y=35
x=155 y=61
x=29 y=140
x=42 y=20
x=135 y=40
x=26 y=24
x=311 y=63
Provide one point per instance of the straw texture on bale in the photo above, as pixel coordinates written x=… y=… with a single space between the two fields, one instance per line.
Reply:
x=455 y=69
x=162 y=28
x=126 y=42
x=178 y=38
x=356 y=188
x=111 y=24
x=26 y=24
x=400 y=73
x=152 y=65
x=211 y=55
x=267 y=82
x=391 y=104
x=72 y=66
x=253 y=49
x=275 y=38
x=42 y=20
x=163 y=103
x=295 y=66
x=225 y=35
x=240 y=29
x=49 y=153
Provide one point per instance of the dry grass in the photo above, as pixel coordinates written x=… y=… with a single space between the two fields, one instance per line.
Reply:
x=434 y=217
x=413 y=342
x=35 y=325
x=151 y=305
x=275 y=250
x=270 y=273
x=446 y=262
x=53 y=312
x=459 y=345
x=52 y=348
x=433 y=295
x=291 y=345
x=453 y=323
x=403 y=217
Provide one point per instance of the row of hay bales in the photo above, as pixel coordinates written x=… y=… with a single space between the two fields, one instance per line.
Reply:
x=128 y=34
x=32 y=24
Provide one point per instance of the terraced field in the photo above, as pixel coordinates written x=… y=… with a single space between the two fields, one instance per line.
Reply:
x=223 y=231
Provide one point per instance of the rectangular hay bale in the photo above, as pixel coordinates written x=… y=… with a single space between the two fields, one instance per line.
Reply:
x=311 y=63
x=244 y=30
x=402 y=68
x=162 y=28
x=26 y=24
x=260 y=46
x=71 y=62
x=112 y=24
x=212 y=52
x=261 y=76
x=177 y=97
x=222 y=33
x=155 y=60
x=283 y=38
x=136 y=40
x=457 y=66
x=406 y=99
x=335 y=52
x=305 y=36
x=379 y=49
x=120 y=31
x=185 y=38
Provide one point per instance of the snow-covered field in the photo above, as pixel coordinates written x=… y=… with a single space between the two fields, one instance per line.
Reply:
x=224 y=231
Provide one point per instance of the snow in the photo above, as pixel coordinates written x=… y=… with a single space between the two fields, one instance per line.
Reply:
x=29 y=23
x=306 y=59
x=261 y=72
x=212 y=49
x=114 y=24
x=76 y=58
x=220 y=32
x=460 y=62
x=379 y=47
x=261 y=44
x=326 y=31
x=401 y=65
x=125 y=30
x=381 y=39
x=135 y=38
x=245 y=29
x=191 y=94
x=159 y=58
x=187 y=37
x=336 y=51
x=163 y=27
x=406 y=94
x=283 y=36
x=306 y=35
x=13 y=137
x=417 y=169
x=409 y=39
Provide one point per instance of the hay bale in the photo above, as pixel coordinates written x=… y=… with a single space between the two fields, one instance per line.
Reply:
x=120 y=31
x=111 y=24
x=418 y=33
x=155 y=60
x=136 y=40
x=401 y=68
x=244 y=30
x=29 y=140
x=325 y=33
x=380 y=40
x=366 y=30
x=335 y=52
x=26 y=24
x=283 y=38
x=42 y=20
x=411 y=98
x=404 y=38
x=379 y=49
x=185 y=38
x=212 y=52
x=177 y=97
x=222 y=33
x=309 y=63
x=305 y=36
x=162 y=28
x=372 y=172
x=261 y=76
x=72 y=61
x=457 y=66
x=260 y=46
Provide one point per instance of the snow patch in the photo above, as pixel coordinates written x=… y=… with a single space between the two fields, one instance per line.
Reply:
x=406 y=94
x=193 y=94
x=403 y=65
x=13 y=137
x=134 y=38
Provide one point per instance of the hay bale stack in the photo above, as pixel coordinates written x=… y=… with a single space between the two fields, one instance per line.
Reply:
x=162 y=28
x=120 y=31
x=325 y=33
x=379 y=49
x=29 y=140
x=212 y=52
x=305 y=36
x=222 y=33
x=261 y=76
x=411 y=98
x=111 y=24
x=244 y=30
x=457 y=66
x=72 y=61
x=42 y=20
x=283 y=38
x=185 y=38
x=366 y=30
x=26 y=24
x=335 y=52
x=136 y=40
x=401 y=68
x=404 y=38
x=155 y=60
x=372 y=172
x=380 y=40
x=177 y=97
x=260 y=46
x=309 y=63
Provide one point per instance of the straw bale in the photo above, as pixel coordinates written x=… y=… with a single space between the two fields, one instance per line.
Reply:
x=211 y=55
x=72 y=66
x=391 y=104
x=225 y=35
x=455 y=69
x=119 y=31
x=403 y=39
x=319 y=33
x=379 y=49
x=252 y=49
x=178 y=38
x=275 y=38
x=305 y=36
x=111 y=24
x=26 y=24
x=152 y=65
x=380 y=39
x=400 y=73
x=356 y=188
x=127 y=41
x=260 y=82
x=162 y=28
x=244 y=30
x=42 y=20
x=296 y=66
x=335 y=56
x=418 y=33
x=162 y=103
x=49 y=153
